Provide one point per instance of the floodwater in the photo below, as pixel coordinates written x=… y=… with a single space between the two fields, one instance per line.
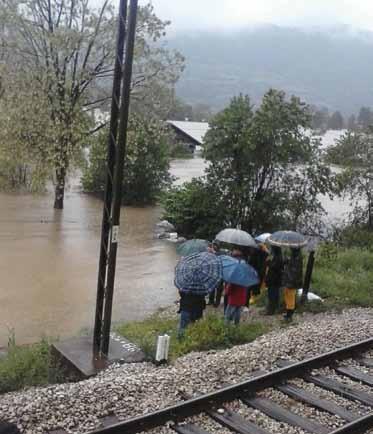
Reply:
x=48 y=261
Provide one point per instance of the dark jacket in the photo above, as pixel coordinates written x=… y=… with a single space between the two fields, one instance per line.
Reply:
x=191 y=302
x=259 y=262
x=293 y=272
x=275 y=270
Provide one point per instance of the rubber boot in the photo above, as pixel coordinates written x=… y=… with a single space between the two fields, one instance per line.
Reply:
x=288 y=317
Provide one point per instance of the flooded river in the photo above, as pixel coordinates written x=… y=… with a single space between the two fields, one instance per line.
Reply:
x=48 y=261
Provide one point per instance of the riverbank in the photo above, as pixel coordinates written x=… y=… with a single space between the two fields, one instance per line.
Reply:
x=342 y=277
x=130 y=390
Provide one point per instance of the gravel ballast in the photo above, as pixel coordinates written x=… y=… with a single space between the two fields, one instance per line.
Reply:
x=132 y=390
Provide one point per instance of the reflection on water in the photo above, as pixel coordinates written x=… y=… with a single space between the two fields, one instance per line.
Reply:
x=48 y=261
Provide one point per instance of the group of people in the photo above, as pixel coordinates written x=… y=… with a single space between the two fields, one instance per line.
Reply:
x=275 y=270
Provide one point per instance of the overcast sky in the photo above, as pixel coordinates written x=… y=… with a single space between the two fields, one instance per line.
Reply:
x=197 y=14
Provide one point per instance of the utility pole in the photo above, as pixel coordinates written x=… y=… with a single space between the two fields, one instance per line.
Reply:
x=116 y=152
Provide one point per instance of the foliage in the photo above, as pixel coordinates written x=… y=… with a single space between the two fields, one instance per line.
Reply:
x=27 y=366
x=67 y=49
x=336 y=121
x=207 y=334
x=146 y=169
x=265 y=171
x=194 y=209
x=320 y=119
x=343 y=276
x=354 y=235
x=354 y=152
x=181 y=111
x=365 y=117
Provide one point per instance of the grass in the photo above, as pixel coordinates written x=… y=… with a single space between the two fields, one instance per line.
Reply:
x=25 y=366
x=344 y=277
x=210 y=333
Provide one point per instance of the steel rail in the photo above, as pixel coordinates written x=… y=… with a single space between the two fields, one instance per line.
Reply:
x=185 y=409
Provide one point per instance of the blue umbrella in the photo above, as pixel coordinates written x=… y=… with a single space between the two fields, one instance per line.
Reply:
x=238 y=272
x=199 y=273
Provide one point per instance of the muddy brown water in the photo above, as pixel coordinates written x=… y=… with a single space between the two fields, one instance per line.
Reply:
x=48 y=266
x=48 y=261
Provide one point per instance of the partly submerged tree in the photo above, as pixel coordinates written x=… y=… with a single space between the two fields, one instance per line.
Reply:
x=265 y=170
x=68 y=48
x=146 y=164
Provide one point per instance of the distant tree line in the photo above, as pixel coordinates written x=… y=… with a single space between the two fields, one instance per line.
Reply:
x=323 y=120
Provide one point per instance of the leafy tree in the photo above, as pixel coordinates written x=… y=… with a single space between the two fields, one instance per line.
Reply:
x=194 y=209
x=68 y=50
x=351 y=123
x=146 y=164
x=356 y=180
x=336 y=121
x=265 y=171
x=320 y=119
x=181 y=111
x=365 y=117
x=344 y=152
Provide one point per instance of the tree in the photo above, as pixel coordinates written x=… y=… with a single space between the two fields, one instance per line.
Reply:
x=320 y=119
x=356 y=180
x=146 y=164
x=336 y=121
x=195 y=210
x=365 y=117
x=68 y=47
x=265 y=171
x=25 y=144
x=351 y=123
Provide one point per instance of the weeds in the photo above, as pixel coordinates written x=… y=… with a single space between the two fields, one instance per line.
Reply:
x=209 y=333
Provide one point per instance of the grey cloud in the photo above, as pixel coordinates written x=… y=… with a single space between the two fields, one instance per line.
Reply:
x=197 y=14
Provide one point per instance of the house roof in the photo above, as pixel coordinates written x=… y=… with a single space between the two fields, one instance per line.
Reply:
x=195 y=130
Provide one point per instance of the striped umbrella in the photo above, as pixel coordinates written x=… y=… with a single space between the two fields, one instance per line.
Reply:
x=199 y=273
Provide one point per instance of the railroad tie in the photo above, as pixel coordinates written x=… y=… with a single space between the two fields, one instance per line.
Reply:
x=189 y=428
x=366 y=361
x=355 y=374
x=308 y=398
x=340 y=389
x=281 y=414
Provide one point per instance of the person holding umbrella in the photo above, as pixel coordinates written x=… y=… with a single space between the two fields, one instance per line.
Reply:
x=293 y=279
x=293 y=266
x=238 y=276
x=274 y=279
x=195 y=276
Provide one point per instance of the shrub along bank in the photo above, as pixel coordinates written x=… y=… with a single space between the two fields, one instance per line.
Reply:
x=24 y=366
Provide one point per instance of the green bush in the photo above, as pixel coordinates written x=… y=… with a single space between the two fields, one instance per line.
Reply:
x=355 y=236
x=146 y=166
x=25 y=366
x=207 y=334
x=194 y=210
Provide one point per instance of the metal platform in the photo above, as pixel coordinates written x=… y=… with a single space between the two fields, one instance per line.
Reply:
x=76 y=354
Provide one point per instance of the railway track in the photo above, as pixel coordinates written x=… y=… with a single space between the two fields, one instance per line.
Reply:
x=349 y=362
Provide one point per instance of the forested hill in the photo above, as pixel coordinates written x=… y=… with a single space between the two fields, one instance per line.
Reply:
x=332 y=69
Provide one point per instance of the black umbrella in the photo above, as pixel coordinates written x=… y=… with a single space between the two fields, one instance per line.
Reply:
x=287 y=239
